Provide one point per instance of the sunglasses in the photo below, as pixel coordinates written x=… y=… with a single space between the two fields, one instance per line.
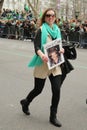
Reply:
x=50 y=15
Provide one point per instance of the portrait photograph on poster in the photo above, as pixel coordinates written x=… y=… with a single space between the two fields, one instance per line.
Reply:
x=52 y=49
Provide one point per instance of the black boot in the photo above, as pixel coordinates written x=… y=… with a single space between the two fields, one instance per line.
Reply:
x=53 y=119
x=86 y=101
x=55 y=122
x=24 y=105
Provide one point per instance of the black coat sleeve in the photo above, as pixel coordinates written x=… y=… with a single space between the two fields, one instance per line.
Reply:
x=37 y=41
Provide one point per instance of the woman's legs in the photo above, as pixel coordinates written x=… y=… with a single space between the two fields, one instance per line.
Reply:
x=38 y=87
x=55 y=85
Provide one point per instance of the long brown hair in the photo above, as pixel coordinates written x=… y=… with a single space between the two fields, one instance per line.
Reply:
x=44 y=14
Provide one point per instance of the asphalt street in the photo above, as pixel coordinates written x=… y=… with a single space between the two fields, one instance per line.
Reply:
x=16 y=80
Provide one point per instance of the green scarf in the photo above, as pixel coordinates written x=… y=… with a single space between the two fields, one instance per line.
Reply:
x=54 y=32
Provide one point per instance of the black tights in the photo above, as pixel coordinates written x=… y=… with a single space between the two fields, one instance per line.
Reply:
x=39 y=85
x=55 y=87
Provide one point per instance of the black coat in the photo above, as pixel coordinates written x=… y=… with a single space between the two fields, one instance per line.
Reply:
x=66 y=68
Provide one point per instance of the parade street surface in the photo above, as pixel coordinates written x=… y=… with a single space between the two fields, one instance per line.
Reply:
x=16 y=80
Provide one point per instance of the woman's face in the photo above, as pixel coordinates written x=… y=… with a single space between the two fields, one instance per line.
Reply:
x=50 y=17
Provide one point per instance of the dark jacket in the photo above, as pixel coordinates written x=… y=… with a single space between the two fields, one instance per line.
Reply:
x=66 y=68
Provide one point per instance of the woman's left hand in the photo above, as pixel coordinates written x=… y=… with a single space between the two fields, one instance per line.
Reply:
x=62 y=50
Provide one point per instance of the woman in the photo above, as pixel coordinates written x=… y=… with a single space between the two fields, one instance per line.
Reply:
x=47 y=32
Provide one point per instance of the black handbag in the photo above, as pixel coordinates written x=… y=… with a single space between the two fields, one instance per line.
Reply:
x=70 y=51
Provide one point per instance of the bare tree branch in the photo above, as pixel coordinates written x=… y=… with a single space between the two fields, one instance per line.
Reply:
x=1 y=5
x=35 y=12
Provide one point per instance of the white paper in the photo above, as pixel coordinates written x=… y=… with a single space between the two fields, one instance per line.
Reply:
x=52 y=49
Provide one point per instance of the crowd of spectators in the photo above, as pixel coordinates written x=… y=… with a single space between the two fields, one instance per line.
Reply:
x=17 y=25
x=22 y=25
x=74 y=31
